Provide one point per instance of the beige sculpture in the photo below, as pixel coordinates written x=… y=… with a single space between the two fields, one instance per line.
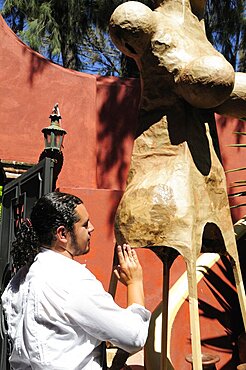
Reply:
x=176 y=189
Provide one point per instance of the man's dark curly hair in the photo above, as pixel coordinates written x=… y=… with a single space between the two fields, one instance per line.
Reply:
x=49 y=212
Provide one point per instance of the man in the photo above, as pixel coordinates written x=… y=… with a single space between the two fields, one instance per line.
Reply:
x=57 y=311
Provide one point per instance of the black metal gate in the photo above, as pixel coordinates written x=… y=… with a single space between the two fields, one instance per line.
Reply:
x=18 y=199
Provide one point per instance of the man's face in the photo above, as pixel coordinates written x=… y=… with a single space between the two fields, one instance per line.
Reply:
x=81 y=234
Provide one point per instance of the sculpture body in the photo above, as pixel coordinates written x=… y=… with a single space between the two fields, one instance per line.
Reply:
x=168 y=201
x=176 y=190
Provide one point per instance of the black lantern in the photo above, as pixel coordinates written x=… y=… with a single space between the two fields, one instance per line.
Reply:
x=54 y=134
x=53 y=138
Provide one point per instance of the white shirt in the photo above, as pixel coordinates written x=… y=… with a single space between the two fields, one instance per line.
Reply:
x=58 y=314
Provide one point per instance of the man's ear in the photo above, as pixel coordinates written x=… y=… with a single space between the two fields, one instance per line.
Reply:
x=61 y=234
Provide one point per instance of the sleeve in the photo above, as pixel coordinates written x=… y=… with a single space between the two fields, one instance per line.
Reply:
x=95 y=311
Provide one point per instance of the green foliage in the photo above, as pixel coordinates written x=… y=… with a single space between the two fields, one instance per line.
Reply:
x=226 y=29
x=99 y=54
x=63 y=31
x=74 y=33
x=55 y=28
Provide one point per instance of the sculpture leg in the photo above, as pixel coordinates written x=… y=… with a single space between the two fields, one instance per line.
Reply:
x=194 y=316
x=113 y=280
x=239 y=286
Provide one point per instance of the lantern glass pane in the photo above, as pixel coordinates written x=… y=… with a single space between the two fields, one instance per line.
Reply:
x=61 y=141
x=47 y=140
x=55 y=140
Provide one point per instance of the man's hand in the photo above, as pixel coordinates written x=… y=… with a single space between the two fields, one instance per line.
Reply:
x=129 y=272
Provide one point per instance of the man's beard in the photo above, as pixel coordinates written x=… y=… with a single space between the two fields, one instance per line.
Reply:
x=77 y=248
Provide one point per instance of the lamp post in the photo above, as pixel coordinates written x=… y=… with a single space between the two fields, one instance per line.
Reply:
x=53 y=140
x=54 y=134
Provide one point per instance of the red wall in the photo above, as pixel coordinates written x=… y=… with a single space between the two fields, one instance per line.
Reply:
x=99 y=115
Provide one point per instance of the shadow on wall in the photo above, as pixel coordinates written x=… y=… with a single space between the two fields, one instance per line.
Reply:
x=229 y=317
x=224 y=122
x=117 y=121
x=232 y=158
x=37 y=64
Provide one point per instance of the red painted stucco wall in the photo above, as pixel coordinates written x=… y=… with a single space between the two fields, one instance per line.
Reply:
x=99 y=115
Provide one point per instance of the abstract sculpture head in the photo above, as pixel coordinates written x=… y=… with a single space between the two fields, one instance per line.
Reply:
x=172 y=40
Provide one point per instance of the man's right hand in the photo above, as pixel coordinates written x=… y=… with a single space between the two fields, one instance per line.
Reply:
x=129 y=272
